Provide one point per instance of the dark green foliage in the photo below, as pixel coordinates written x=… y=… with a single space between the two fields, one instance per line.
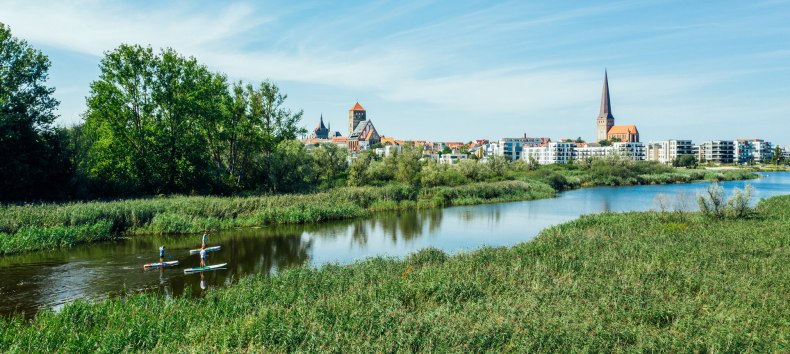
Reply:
x=632 y=282
x=34 y=156
x=689 y=161
x=162 y=123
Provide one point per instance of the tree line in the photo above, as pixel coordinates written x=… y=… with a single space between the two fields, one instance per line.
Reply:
x=155 y=123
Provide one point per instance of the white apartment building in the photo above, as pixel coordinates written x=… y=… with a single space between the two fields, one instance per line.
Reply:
x=744 y=151
x=452 y=159
x=717 y=151
x=511 y=148
x=763 y=150
x=592 y=152
x=666 y=151
x=633 y=150
x=753 y=150
x=560 y=152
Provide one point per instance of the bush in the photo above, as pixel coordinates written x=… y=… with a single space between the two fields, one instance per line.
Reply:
x=712 y=203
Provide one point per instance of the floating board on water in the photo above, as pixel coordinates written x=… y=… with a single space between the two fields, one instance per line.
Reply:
x=208 y=249
x=205 y=269
x=159 y=265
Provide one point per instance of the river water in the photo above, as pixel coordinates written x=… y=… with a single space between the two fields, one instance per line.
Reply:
x=49 y=279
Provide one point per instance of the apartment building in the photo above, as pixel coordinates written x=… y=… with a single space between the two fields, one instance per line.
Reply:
x=559 y=152
x=511 y=148
x=666 y=151
x=716 y=151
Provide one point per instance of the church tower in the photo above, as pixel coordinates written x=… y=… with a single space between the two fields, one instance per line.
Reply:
x=605 y=118
x=356 y=115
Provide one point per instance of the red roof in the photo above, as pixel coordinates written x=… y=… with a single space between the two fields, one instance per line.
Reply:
x=623 y=129
x=357 y=107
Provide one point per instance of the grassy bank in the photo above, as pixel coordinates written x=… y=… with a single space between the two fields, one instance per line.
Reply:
x=619 y=172
x=33 y=227
x=609 y=282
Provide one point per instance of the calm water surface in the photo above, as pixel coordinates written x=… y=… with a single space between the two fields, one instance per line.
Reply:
x=29 y=282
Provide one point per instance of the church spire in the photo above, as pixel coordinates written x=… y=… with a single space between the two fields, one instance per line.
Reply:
x=606 y=106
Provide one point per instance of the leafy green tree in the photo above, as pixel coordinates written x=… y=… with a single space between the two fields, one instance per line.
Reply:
x=357 y=173
x=144 y=115
x=687 y=160
x=33 y=154
x=777 y=156
x=163 y=123
x=408 y=165
x=329 y=162
x=605 y=142
x=291 y=167
x=498 y=166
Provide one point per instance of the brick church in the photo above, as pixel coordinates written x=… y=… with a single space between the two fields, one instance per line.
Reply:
x=605 y=128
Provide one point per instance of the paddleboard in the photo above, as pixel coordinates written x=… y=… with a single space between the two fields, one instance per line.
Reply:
x=205 y=269
x=208 y=249
x=158 y=265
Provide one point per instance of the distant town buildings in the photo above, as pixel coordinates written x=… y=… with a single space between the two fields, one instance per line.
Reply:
x=611 y=140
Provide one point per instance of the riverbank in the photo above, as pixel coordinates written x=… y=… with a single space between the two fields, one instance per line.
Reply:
x=609 y=282
x=50 y=226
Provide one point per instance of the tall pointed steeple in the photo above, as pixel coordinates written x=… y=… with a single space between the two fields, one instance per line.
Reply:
x=321 y=125
x=605 y=119
x=606 y=106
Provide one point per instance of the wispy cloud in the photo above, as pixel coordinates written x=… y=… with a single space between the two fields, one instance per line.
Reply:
x=509 y=58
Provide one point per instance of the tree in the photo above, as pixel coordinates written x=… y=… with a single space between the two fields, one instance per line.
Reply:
x=329 y=162
x=163 y=123
x=357 y=173
x=579 y=140
x=144 y=114
x=687 y=160
x=498 y=165
x=777 y=157
x=291 y=167
x=408 y=165
x=33 y=154
x=605 y=142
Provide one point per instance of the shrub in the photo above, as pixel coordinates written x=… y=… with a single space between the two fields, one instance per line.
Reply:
x=712 y=203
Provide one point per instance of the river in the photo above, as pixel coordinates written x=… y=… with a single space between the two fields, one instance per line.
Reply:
x=49 y=279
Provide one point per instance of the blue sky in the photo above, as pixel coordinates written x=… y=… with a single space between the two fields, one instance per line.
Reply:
x=458 y=70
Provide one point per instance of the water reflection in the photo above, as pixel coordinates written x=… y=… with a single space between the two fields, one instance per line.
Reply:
x=48 y=279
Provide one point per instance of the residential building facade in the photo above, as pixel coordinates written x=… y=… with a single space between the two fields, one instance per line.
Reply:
x=716 y=151
x=511 y=148
x=666 y=151
x=555 y=152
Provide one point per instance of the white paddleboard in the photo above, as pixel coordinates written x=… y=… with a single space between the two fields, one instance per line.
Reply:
x=205 y=269
x=208 y=249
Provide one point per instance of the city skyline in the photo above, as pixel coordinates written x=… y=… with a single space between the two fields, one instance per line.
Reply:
x=678 y=71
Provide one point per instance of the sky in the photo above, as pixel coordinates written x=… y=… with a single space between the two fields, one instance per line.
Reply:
x=457 y=70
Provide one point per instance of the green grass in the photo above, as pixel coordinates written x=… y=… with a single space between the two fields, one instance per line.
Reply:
x=46 y=226
x=631 y=282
